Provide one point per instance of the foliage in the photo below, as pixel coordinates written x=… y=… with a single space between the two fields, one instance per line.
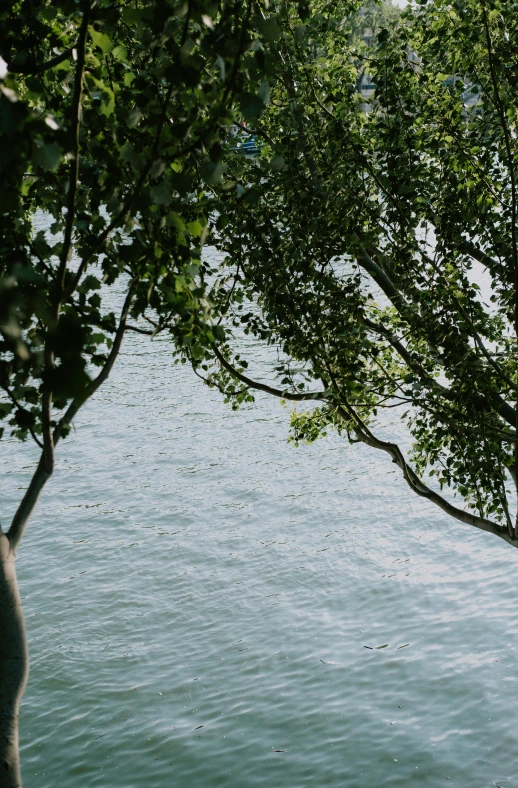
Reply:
x=365 y=25
x=114 y=124
x=113 y=118
x=363 y=233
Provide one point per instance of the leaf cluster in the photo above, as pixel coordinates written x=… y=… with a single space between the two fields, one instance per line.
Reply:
x=375 y=243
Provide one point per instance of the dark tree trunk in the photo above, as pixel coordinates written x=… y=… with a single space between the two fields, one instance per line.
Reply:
x=14 y=666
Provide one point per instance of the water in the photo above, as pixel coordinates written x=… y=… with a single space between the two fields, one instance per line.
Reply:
x=209 y=606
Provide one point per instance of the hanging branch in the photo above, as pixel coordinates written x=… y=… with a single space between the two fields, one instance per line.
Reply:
x=289 y=395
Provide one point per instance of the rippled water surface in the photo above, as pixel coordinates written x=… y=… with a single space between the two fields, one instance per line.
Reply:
x=210 y=606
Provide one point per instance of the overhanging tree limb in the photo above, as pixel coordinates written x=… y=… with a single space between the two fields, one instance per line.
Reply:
x=414 y=482
x=365 y=435
x=39 y=68
x=289 y=395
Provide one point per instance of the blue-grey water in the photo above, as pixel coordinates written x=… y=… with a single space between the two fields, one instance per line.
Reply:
x=210 y=606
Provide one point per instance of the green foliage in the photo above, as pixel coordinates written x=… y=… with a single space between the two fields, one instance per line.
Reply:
x=113 y=118
x=356 y=242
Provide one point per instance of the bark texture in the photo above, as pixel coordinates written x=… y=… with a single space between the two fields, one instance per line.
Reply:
x=14 y=666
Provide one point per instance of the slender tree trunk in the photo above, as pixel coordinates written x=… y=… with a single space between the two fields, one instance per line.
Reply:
x=14 y=666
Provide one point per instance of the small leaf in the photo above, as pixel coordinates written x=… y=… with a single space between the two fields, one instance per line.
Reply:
x=277 y=162
x=108 y=103
x=51 y=123
x=269 y=29
x=48 y=157
x=250 y=105
x=176 y=221
x=221 y=64
x=101 y=40
x=195 y=229
x=157 y=169
x=161 y=194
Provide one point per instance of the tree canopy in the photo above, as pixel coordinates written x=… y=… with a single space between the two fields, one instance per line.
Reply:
x=374 y=243
x=114 y=118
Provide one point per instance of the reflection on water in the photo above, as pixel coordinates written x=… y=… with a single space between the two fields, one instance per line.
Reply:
x=208 y=606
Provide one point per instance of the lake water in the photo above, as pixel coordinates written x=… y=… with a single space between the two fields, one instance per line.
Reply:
x=209 y=606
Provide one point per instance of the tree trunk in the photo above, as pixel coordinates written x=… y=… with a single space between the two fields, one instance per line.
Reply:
x=14 y=664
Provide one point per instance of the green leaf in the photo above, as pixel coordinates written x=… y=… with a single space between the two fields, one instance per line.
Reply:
x=101 y=40
x=161 y=194
x=278 y=162
x=47 y=156
x=251 y=105
x=195 y=229
x=269 y=29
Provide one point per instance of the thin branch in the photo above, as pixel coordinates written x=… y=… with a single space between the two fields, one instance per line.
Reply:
x=22 y=410
x=259 y=130
x=36 y=68
x=43 y=473
x=415 y=483
x=41 y=261
x=103 y=374
x=138 y=330
x=253 y=384
x=74 y=163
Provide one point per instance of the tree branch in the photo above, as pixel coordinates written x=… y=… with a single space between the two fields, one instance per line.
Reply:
x=510 y=160
x=43 y=473
x=74 y=163
x=366 y=262
x=414 y=482
x=23 y=410
x=36 y=68
x=27 y=504
x=259 y=130
x=478 y=254
x=253 y=384
x=46 y=418
x=366 y=436
x=146 y=331
x=77 y=403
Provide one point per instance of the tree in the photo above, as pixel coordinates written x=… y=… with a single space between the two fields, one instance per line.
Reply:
x=113 y=119
x=358 y=241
